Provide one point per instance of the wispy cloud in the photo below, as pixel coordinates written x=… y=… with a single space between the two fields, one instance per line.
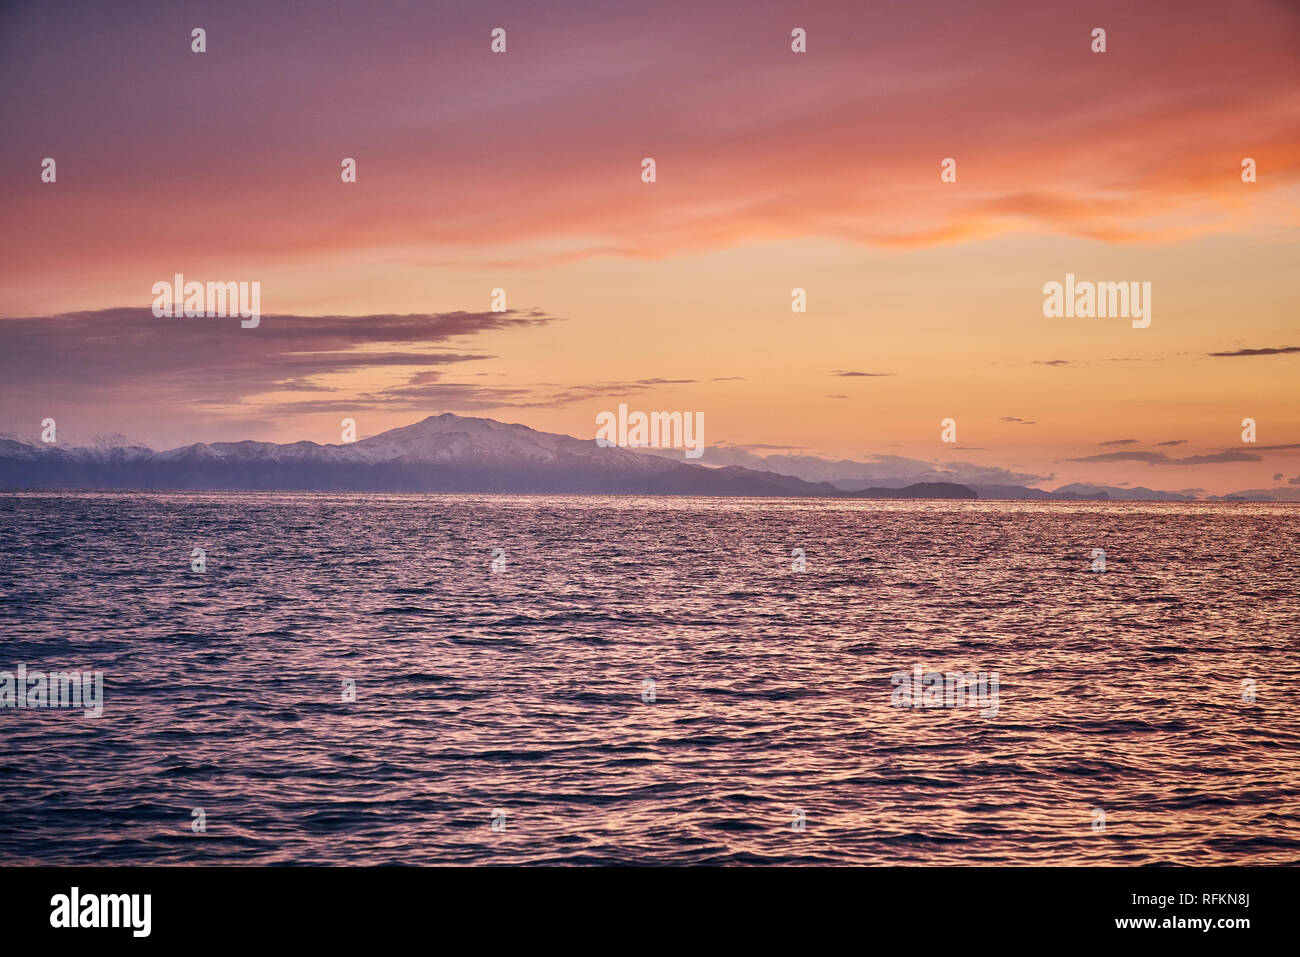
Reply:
x=760 y=447
x=1151 y=458
x=1280 y=351
x=1216 y=458
x=1159 y=458
x=126 y=357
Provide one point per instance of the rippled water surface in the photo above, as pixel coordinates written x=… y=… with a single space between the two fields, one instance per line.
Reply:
x=523 y=691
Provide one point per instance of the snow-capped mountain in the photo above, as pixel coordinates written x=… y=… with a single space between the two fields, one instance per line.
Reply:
x=453 y=438
x=87 y=448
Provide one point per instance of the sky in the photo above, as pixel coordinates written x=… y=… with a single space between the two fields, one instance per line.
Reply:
x=775 y=170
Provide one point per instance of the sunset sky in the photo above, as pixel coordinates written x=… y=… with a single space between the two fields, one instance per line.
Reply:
x=775 y=170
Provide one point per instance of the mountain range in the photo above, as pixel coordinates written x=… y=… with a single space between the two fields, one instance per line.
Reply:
x=452 y=453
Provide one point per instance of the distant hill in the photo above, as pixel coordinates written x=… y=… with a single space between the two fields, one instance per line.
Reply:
x=454 y=453
x=875 y=474
x=919 y=490
x=1081 y=492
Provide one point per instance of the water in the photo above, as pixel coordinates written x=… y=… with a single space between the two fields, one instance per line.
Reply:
x=522 y=691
